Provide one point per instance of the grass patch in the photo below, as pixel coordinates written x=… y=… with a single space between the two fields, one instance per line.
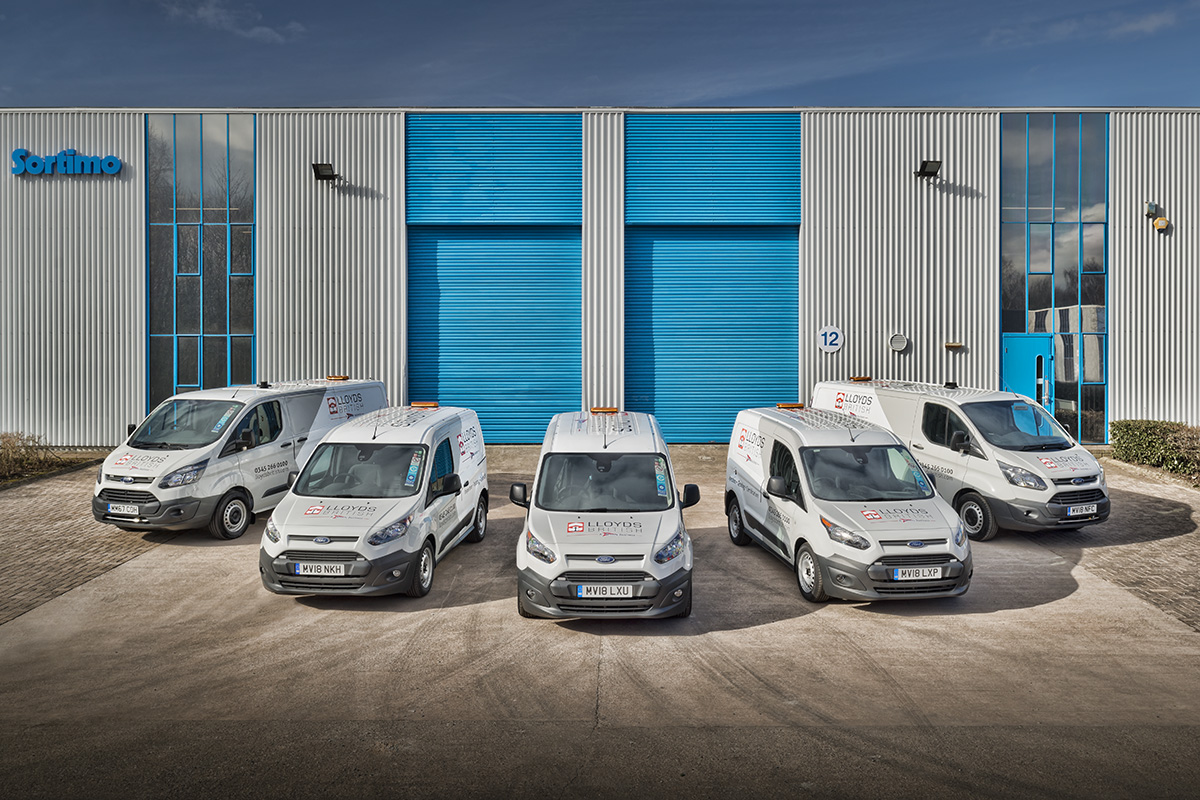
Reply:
x=24 y=456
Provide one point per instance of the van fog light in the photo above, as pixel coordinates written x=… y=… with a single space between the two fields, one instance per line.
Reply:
x=530 y=594
x=678 y=593
x=396 y=573
x=840 y=578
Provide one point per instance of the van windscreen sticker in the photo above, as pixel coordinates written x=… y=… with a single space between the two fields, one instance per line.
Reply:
x=225 y=418
x=660 y=475
x=917 y=474
x=414 y=467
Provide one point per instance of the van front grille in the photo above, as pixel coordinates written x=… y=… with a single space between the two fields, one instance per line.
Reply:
x=589 y=576
x=916 y=561
x=1085 y=496
x=127 y=496
x=321 y=555
x=571 y=608
x=916 y=587
x=307 y=584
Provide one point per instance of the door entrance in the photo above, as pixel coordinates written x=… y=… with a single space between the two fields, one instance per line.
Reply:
x=1027 y=366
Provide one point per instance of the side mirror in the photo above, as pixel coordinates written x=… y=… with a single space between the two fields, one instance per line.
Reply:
x=517 y=494
x=244 y=442
x=452 y=484
x=960 y=442
x=777 y=488
x=691 y=495
x=292 y=478
x=130 y=428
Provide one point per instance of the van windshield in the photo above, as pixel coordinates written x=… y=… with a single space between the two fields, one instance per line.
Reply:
x=182 y=424
x=362 y=470
x=594 y=483
x=1017 y=425
x=881 y=472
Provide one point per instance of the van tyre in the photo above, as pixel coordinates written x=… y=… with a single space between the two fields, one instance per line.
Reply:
x=480 y=529
x=423 y=576
x=977 y=517
x=737 y=533
x=808 y=575
x=231 y=517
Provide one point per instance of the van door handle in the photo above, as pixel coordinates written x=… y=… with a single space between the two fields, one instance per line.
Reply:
x=286 y=444
x=917 y=446
x=302 y=440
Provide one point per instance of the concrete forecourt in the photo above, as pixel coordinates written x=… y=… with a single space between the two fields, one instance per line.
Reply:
x=155 y=664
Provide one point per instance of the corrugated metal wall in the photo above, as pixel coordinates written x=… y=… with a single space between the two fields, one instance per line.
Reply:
x=73 y=281
x=603 y=259
x=1154 y=278
x=883 y=251
x=331 y=260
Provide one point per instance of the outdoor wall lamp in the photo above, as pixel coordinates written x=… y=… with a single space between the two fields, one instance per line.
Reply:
x=324 y=172
x=929 y=169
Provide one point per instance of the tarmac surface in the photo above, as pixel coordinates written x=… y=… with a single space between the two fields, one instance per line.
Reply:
x=156 y=665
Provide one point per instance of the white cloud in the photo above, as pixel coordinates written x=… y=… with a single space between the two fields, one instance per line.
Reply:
x=1104 y=25
x=244 y=21
x=1151 y=23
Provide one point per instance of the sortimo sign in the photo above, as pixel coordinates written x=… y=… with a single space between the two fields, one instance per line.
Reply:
x=67 y=162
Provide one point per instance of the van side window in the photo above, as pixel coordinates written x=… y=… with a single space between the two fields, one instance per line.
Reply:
x=443 y=465
x=940 y=424
x=783 y=465
x=264 y=423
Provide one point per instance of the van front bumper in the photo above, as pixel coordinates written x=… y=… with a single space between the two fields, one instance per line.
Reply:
x=388 y=574
x=851 y=580
x=181 y=514
x=557 y=598
x=1020 y=515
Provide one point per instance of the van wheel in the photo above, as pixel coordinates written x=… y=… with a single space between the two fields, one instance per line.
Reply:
x=480 y=530
x=423 y=579
x=736 y=534
x=231 y=517
x=808 y=575
x=977 y=517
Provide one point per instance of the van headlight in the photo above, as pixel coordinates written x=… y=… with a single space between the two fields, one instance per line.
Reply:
x=672 y=548
x=272 y=531
x=1103 y=480
x=183 y=477
x=539 y=550
x=960 y=534
x=1018 y=476
x=844 y=536
x=391 y=532
x=100 y=474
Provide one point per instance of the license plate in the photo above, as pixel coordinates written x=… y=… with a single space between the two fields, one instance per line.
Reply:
x=916 y=573
x=1079 y=511
x=603 y=590
x=312 y=568
x=122 y=508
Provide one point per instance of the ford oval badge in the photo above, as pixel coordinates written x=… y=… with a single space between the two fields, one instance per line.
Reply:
x=605 y=559
x=127 y=479
x=916 y=543
x=321 y=540
x=1080 y=481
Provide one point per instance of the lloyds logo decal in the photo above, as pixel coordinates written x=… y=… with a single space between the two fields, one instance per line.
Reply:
x=67 y=162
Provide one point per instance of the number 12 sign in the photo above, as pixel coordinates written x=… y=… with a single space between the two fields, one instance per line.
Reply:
x=830 y=338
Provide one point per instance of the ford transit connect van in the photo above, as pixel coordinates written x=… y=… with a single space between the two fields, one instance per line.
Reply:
x=845 y=504
x=217 y=457
x=999 y=458
x=604 y=534
x=381 y=501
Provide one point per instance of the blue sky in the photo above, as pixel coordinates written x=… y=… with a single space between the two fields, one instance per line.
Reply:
x=568 y=53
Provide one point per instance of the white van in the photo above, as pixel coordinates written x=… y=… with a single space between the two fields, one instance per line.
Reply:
x=999 y=458
x=217 y=457
x=845 y=504
x=381 y=501
x=604 y=534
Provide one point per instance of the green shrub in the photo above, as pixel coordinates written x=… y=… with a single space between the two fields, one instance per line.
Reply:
x=22 y=454
x=1172 y=446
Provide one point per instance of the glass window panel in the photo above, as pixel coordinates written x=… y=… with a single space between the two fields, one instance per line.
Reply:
x=241 y=242
x=1093 y=359
x=188 y=256
x=1041 y=167
x=1012 y=278
x=1012 y=168
x=1093 y=248
x=189 y=361
x=187 y=304
x=1066 y=368
x=162 y=279
x=215 y=277
x=241 y=360
x=160 y=167
x=1093 y=311
x=1040 y=296
x=187 y=168
x=215 y=375
x=1066 y=167
x=1066 y=383
x=1092 y=427
x=216 y=180
x=241 y=167
x=1093 y=166
x=162 y=368
x=1066 y=407
x=1066 y=265
x=1041 y=248
x=241 y=304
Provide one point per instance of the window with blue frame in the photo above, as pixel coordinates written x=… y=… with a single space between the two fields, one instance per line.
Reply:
x=200 y=251
x=1054 y=261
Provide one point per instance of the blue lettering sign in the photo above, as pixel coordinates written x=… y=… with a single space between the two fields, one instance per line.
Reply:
x=66 y=162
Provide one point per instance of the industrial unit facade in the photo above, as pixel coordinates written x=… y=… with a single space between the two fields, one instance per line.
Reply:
x=687 y=263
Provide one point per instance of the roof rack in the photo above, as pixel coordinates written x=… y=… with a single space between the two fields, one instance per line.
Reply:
x=604 y=410
x=423 y=404
x=789 y=405
x=860 y=378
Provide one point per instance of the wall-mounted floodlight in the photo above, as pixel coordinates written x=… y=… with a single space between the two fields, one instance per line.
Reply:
x=929 y=169
x=324 y=172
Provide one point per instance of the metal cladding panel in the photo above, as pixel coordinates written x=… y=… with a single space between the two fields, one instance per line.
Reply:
x=330 y=258
x=494 y=323
x=1154 y=280
x=710 y=324
x=883 y=251
x=73 y=282
x=726 y=169
x=494 y=168
x=603 y=259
